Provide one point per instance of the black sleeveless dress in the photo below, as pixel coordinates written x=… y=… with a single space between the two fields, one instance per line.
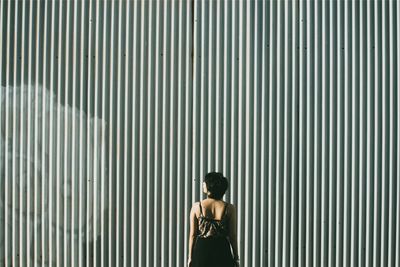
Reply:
x=212 y=248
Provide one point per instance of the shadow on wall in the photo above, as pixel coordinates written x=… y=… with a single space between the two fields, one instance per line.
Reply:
x=50 y=175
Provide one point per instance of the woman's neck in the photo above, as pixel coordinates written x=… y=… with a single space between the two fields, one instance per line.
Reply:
x=213 y=198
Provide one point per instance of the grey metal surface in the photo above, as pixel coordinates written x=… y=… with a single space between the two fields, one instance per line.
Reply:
x=112 y=112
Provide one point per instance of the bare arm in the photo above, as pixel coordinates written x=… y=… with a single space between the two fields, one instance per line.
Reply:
x=233 y=231
x=193 y=230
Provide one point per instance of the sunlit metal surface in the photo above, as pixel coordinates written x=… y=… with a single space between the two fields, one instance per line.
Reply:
x=111 y=113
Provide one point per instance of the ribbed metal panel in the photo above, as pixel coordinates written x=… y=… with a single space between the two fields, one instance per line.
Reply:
x=111 y=113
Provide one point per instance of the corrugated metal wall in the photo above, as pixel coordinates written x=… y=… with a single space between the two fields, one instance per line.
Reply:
x=111 y=113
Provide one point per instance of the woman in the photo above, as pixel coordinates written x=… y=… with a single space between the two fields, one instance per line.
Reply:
x=213 y=227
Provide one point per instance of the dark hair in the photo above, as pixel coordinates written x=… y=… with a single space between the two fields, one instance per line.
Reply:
x=217 y=184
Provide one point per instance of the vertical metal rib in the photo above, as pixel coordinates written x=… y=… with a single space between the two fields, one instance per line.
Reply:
x=157 y=130
x=29 y=138
x=89 y=163
x=171 y=136
x=294 y=125
x=347 y=144
x=241 y=123
x=74 y=147
x=397 y=246
x=325 y=137
x=111 y=232
x=14 y=122
x=37 y=257
x=51 y=137
x=125 y=158
x=2 y=227
x=58 y=138
x=97 y=135
x=118 y=148
x=81 y=161
x=391 y=188
x=363 y=134
x=104 y=174
x=66 y=145
x=22 y=142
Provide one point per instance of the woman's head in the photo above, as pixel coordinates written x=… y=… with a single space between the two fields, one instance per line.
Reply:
x=215 y=185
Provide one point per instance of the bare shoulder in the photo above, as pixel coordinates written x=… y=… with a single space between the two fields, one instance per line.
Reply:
x=195 y=207
x=194 y=212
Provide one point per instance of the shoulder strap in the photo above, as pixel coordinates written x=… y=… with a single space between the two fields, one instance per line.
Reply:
x=201 y=212
x=225 y=210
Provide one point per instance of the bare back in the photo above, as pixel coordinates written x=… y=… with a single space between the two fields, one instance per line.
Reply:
x=214 y=209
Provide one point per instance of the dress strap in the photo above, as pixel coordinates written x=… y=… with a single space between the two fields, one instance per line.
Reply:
x=201 y=212
x=225 y=208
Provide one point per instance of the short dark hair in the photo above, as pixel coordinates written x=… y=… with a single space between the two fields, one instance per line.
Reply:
x=217 y=184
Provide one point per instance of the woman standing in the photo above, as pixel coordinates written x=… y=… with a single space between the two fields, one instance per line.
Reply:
x=213 y=227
